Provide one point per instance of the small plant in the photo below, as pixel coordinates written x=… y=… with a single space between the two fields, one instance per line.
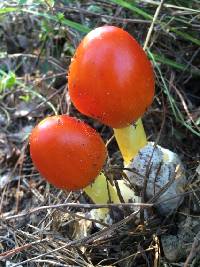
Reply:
x=7 y=80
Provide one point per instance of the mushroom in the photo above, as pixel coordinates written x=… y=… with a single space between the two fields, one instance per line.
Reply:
x=70 y=154
x=111 y=79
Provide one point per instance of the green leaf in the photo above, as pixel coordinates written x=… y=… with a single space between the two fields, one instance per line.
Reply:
x=198 y=121
x=22 y=2
x=6 y=10
x=50 y=2
x=75 y=25
x=26 y=98
x=95 y=9
x=7 y=81
x=133 y=8
x=60 y=16
x=186 y=36
x=173 y=64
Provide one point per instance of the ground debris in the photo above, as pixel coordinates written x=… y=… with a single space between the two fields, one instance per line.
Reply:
x=37 y=45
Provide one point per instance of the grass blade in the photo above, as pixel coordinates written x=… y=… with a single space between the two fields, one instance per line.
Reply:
x=173 y=64
x=176 y=111
x=6 y=10
x=145 y=15
x=75 y=25
x=132 y=7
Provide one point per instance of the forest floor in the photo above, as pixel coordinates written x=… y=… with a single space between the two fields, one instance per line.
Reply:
x=37 y=41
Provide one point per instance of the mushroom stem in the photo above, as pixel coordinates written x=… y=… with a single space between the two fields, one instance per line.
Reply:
x=130 y=140
x=102 y=192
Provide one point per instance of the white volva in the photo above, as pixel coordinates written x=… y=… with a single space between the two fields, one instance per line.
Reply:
x=162 y=169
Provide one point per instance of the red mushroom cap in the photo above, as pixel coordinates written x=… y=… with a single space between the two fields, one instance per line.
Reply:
x=110 y=77
x=67 y=152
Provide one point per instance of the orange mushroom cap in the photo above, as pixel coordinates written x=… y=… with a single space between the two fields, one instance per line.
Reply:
x=110 y=77
x=67 y=152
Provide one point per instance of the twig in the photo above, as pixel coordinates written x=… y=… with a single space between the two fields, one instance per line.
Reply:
x=16 y=250
x=109 y=17
x=133 y=255
x=152 y=24
x=50 y=59
x=172 y=6
x=54 y=263
x=195 y=248
x=86 y=240
x=157 y=251
x=75 y=205
x=185 y=106
x=150 y=204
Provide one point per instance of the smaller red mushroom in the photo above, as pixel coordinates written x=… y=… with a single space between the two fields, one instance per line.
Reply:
x=70 y=155
x=67 y=152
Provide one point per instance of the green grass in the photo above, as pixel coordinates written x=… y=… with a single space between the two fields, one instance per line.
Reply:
x=60 y=18
x=175 y=109
x=145 y=15
x=6 y=10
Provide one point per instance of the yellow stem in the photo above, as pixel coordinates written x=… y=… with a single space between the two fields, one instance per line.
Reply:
x=101 y=191
x=130 y=140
